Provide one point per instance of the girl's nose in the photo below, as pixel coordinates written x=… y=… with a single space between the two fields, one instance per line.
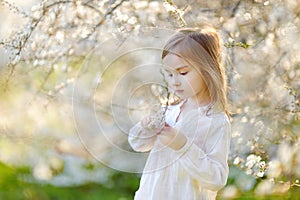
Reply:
x=175 y=81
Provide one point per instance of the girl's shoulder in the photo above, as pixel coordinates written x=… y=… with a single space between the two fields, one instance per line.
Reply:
x=217 y=112
x=220 y=119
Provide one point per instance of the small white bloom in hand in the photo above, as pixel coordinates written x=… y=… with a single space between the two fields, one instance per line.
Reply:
x=157 y=120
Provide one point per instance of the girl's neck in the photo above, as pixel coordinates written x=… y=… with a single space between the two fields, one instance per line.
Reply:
x=198 y=102
x=190 y=104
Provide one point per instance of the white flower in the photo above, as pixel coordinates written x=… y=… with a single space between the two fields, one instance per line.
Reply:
x=262 y=165
x=157 y=120
x=260 y=173
x=237 y=161
x=169 y=7
x=252 y=160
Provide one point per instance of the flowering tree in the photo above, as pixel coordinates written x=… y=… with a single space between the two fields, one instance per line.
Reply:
x=51 y=53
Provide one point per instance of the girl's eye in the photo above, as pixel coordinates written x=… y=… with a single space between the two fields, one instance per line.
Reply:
x=183 y=73
x=170 y=75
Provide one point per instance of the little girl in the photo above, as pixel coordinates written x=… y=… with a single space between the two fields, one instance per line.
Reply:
x=189 y=151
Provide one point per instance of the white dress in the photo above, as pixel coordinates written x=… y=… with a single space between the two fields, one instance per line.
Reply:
x=196 y=171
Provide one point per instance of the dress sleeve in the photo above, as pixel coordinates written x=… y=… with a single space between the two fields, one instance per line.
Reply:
x=208 y=165
x=141 y=139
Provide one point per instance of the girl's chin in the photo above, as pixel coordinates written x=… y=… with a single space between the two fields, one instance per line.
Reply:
x=181 y=96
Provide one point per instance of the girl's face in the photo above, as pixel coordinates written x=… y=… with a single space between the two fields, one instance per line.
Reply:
x=183 y=79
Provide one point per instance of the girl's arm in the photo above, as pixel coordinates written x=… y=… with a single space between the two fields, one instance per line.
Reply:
x=205 y=158
x=208 y=165
x=141 y=139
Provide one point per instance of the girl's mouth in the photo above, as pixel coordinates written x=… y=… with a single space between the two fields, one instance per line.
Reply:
x=179 y=91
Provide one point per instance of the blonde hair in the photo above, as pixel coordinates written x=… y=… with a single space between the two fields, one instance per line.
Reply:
x=201 y=47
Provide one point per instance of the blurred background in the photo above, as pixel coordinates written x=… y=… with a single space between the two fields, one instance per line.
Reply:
x=76 y=75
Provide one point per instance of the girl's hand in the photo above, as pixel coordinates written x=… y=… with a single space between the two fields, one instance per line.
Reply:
x=172 y=138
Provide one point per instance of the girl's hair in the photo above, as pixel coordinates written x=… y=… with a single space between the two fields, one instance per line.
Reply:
x=201 y=47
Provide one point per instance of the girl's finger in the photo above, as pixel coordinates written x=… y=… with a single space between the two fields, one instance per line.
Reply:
x=164 y=131
x=167 y=125
x=167 y=129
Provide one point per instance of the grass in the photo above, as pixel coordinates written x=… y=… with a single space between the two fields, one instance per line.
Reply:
x=13 y=188
x=121 y=186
